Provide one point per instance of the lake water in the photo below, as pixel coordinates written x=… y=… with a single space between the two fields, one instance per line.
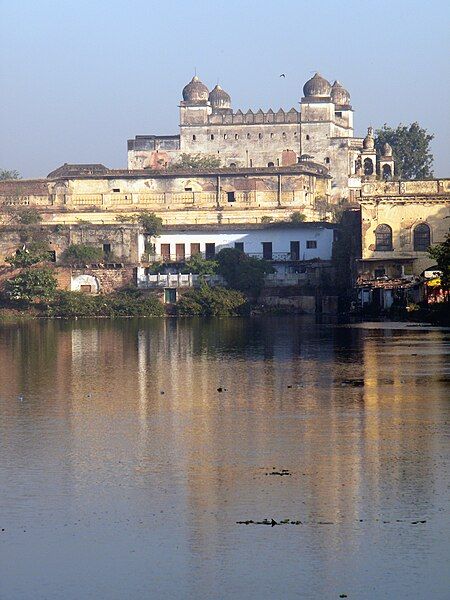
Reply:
x=123 y=470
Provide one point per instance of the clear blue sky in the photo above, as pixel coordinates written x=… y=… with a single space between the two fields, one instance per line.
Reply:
x=80 y=78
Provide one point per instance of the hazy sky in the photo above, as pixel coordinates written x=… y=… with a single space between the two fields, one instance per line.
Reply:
x=78 y=79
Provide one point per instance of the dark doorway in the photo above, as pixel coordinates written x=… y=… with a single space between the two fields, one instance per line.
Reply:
x=195 y=249
x=180 y=252
x=210 y=251
x=295 y=250
x=239 y=246
x=267 y=250
x=165 y=251
x=231 y=197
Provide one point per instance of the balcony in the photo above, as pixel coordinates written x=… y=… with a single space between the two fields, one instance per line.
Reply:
x=180 y=258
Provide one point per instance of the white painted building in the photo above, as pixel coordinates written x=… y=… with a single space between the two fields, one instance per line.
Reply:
x=283 y=243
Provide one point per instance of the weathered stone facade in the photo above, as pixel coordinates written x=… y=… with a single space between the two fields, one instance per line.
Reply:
x=178 y=197
x=399 y=221
x=322 y=130
x=120 y=243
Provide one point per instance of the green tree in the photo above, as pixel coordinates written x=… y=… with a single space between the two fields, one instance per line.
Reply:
x=31 y=285
x=441 y=254
x=29 y=255
x=5 y=174
x=150 y=223
x=200 y=266
x=243 y=272
x=196 y=161
x=82 y=253
x=411 y=149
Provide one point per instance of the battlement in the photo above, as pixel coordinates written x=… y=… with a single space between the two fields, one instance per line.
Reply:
x=254 y=118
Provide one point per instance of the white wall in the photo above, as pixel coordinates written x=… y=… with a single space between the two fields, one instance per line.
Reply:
x=253 y=238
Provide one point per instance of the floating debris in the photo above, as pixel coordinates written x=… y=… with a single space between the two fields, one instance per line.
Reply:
x=280 y=473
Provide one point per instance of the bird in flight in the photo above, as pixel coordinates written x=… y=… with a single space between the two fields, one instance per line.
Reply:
x=283 y=75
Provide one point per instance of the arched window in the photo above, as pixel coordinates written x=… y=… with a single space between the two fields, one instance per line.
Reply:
x=260 y=136
x=387 y=172
x=232 y=165
x=194 y=137
x=284 y=136
x=212 y=136
x=236 y=136
x=327 y=160
x=383 y=238
x=248 y=136
x=271 y=135
x=422 y=237
x=368 y=166
x=270 y=164
x=225 y=136
x=307 y=137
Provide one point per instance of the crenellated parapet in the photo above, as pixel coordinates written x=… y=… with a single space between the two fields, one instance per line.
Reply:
x=254 y=118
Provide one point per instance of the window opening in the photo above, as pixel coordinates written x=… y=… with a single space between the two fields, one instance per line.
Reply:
x=422 y=237
x=368 y=166
x=383 y=238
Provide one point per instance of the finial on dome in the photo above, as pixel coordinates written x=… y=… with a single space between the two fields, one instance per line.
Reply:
x=317 y=87
x=195 y=91
x=369 y=141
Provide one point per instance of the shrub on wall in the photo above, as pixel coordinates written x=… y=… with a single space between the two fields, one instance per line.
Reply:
x=31 y=255
x=82 y=254
x=212 y=302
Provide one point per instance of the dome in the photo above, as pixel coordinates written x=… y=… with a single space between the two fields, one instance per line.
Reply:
x=339 y=94
x=219 y=98
x=195 y=91
x=369 y=142
x=317 y=86
x=387 y=149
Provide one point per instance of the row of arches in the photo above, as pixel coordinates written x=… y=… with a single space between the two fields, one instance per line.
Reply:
x=421 y=237
x=369 y=168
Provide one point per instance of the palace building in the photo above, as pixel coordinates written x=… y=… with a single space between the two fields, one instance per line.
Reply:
x=321 y=131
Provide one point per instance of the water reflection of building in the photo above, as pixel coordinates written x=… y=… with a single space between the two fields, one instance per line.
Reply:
x=354 y=452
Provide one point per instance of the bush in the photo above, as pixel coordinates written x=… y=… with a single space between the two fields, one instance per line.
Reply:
x=150 y=223
x=31 y=285
x=200 y=266
x=243 y=272
x=212 y=302
x=119 y=304
x=26 y=257
x=298 y=217
x=82 y=253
